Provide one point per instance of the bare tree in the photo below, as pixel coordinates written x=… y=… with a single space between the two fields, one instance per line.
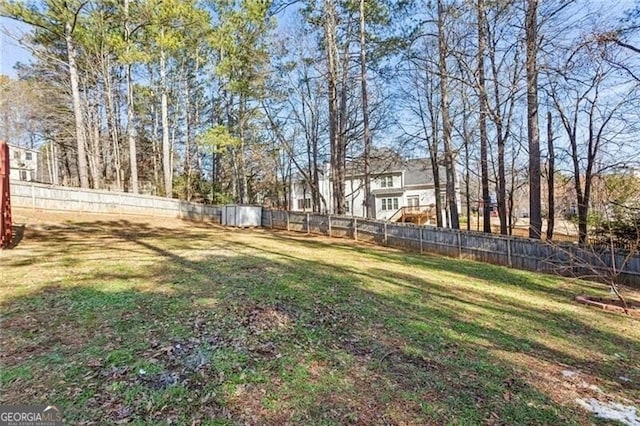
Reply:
x=594 y=121
x=365 y=113
x=484 y=165
x=335 y=136
x=129 y=129
x=421 y=94
x=449 y=154
x=551 y=171
x=531 y=35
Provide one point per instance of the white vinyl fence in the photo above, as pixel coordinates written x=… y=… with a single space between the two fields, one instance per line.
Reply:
x=57 y=198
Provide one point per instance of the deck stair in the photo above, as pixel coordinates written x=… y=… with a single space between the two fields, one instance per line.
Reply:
x=414 y=214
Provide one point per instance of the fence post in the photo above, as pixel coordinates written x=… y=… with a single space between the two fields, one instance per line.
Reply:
x=288 y=227
x=271 y=218
x=459 y=244
x=385 y=233
x=329 y=217
x=33 y=196
x=509 y=261
x=308 y=225
x=420 y=231
x=355 y=228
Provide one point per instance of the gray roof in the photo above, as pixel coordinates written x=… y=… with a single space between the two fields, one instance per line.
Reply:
x=417 y=171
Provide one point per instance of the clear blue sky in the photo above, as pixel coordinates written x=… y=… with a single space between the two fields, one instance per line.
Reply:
x=10 y=51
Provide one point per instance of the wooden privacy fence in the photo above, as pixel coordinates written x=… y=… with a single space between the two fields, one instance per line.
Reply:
x=515 y=252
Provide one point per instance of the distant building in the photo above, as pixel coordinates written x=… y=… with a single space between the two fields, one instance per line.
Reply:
x=401 y=190
x=24 y=163
x=634 y=171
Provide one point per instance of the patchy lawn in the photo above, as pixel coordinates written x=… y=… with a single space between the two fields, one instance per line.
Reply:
x=126 y=320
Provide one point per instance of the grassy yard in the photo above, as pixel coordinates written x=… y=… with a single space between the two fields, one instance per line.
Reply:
x=123 y=320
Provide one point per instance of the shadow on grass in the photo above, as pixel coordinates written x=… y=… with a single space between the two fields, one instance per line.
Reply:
x=265 y=337
x=16 y=237
x=493 y=273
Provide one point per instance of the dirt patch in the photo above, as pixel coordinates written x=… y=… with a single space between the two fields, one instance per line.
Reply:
x=262 y=319
x=246 y=404
x=401 y=358
x=614 y=305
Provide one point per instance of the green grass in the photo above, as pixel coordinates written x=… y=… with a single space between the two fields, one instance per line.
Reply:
x=124 y=320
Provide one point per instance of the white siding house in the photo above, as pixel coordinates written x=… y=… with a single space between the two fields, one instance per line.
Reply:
x=23 y=163
x=400 y=187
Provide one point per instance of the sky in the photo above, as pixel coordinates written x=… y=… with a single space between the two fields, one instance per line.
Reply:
x=12 y=53
x=10 y=50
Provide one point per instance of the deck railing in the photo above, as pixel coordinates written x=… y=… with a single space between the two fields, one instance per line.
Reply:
x=409 y=210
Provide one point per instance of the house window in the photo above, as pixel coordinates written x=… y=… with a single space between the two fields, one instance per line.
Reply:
x=23 y=175
x=304 y=203
x=28 y=156
x=386 y=182
x=390 y=204
x=347 y=206
x=16 y=155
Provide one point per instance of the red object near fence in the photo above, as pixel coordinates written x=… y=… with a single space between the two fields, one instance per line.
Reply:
x=5 y=197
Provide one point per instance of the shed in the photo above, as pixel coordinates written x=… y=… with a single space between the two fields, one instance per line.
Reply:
x=241 y=216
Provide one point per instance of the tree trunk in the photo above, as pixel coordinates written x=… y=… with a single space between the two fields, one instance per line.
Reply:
x=484 y=164
x=435 y=169
x=66 y=170
x=310 y=168
x=433 y=151
x=187 y=133
x=92 y=135
x=196 y=120
x=83 y=170
x=112 y=123
x=467 y=176
x=535 y=210
x=446 y=122
x=133 y=159
x=166 y=146
x=95 y=148
x=154 y=148
x=343 y=121
x=365 y=114
x=583 y=215
x=502 y=183
x=332 y=88
x=551 y=170
x=242 y=166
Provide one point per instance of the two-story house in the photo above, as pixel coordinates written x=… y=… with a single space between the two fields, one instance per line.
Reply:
x=23 y=163
x=401 y=190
